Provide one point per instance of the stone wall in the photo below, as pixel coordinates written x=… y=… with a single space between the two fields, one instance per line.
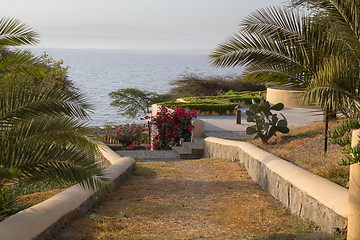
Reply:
x=290 y=98
x=305 y=194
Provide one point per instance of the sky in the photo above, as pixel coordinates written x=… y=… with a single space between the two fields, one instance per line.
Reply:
x=133 y=24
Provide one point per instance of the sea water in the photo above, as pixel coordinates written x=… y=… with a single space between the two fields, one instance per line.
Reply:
x=98 y=72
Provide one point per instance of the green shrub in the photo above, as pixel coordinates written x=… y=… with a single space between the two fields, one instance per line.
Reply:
x=216 y=104
x=128 y=136
x=342 y=136
x=215 y=107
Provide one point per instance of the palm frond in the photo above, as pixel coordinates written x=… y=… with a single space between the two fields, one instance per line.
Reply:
x=247 y=49
x=278 y=77
x=346 y=14
x=273 y=21
x=43 y=138
x=42 y=129
x=15 y=33
x=277 y=42
x=335 y=86
x=39 y=161
x=22 y=104
x=19 y=62
x=332 y=98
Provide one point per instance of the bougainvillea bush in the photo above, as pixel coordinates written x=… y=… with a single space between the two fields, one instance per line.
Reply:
x=128 y=136
x=171 y=127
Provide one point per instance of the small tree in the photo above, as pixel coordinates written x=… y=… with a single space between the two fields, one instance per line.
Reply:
x=132 y=102
x=199 y=85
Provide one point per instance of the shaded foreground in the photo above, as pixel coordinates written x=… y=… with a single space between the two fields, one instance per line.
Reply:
x=197 y=199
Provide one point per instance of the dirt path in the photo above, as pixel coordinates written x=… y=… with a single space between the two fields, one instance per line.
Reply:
x=197 y=199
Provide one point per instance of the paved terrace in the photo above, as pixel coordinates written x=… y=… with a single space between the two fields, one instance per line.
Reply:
x=224 y=126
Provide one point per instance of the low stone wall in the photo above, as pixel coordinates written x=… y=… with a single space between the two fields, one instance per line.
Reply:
x=290 y=98
x=305 y=194
x=44 y=219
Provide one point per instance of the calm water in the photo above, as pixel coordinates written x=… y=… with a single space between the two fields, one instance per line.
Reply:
x=98 y=72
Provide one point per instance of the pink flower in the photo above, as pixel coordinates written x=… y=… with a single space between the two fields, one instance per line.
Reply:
x=131 y=147
x=171 y=126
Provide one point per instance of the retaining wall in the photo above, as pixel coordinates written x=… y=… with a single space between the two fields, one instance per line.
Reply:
x=305 y=194
x=290 y=98
x=44 y=219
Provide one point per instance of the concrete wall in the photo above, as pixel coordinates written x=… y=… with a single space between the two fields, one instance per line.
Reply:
x=305 y=194
x=290 y=98
x=44 y=219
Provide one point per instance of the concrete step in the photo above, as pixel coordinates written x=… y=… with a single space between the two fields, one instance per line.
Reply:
x=199 y=141
x=193 y=148
x=184 y=153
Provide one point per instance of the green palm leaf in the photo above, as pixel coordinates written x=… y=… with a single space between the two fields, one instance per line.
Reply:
x=284 y=48
x=43 y=130
x=335 y=89
x=15 y=33
x=19 y=62
x=347 y=15
x=43 y=140
x=24 y=104
x=277 y=43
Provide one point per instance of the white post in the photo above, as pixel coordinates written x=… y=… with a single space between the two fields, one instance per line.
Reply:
x=199 y=129
x=354 y=194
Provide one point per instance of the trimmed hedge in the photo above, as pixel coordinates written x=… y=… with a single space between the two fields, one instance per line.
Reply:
x=218 y=104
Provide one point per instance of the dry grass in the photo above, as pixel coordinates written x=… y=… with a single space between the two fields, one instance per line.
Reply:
x=304 y=146
x=38 y=197
x=197 y=199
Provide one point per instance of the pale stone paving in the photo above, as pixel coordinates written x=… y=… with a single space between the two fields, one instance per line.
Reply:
x=149 y=156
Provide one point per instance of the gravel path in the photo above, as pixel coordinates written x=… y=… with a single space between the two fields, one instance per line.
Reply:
x=193 y=199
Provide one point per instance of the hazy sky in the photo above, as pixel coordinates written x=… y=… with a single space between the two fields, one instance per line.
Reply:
x=133 y=24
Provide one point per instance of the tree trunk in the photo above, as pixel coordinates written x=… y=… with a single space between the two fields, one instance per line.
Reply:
x=328 y=116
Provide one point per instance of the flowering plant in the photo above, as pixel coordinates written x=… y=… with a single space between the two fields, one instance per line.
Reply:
x=129 y=135
x=172 y=126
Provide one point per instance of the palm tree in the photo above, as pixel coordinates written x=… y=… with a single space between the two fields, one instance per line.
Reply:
x=277 y=45
x=317 y=52
x=43 y=130
x=337 y=82
x=285 y=48
x=43 y=139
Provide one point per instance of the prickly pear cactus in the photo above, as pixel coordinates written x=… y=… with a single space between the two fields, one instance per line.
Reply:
x=266 y=123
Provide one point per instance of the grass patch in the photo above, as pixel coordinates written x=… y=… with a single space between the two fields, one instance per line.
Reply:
x=31 y=194
x=143 y=171
x=36 y=187
x=35 y=198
